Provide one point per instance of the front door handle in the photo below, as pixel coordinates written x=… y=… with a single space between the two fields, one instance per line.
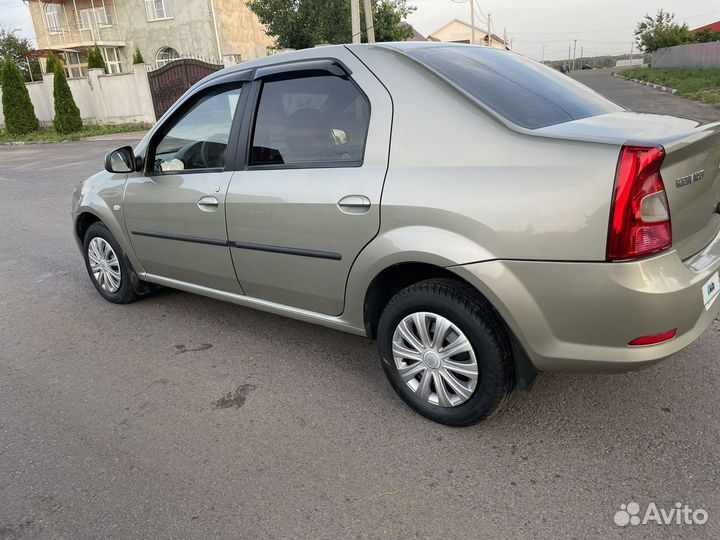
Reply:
x=354 y=204
x=208 y=203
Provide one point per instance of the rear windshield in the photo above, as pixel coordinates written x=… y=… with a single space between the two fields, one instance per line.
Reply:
x=520 y=90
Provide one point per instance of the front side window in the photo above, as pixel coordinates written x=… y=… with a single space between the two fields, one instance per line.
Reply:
x=158 y=9
x=318 y=120
x=53 y=15
x=165 y=56
x=199 y=139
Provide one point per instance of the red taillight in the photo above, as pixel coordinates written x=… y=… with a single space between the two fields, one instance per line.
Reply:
x=640 y=214
x=654 y=340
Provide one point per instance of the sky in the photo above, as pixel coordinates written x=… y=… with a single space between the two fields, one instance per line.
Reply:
x=600 y=26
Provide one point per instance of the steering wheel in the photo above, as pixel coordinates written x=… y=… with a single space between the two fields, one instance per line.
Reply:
x=205 y=149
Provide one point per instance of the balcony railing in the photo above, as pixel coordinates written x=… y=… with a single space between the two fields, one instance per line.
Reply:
x=75 y=36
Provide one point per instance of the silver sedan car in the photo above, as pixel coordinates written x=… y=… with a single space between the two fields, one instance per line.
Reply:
x=480 y=215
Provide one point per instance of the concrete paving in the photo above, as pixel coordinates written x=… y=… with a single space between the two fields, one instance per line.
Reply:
x=183 y=417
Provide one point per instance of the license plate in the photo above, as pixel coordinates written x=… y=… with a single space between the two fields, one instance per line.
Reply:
x=711 y=290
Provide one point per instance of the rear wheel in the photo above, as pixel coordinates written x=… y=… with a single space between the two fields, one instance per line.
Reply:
x=445 y=353
x=107 y=265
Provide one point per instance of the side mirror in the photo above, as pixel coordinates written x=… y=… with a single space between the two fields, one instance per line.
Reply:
x=121 y=160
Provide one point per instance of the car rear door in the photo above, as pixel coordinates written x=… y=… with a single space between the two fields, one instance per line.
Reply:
x=308 y=199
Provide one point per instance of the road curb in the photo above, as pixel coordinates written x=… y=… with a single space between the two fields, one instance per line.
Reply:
x=651 y=85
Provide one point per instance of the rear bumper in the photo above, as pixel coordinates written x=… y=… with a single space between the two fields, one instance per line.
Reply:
x=578 y=316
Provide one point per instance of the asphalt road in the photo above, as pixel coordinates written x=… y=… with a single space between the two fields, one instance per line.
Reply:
x=640 y=98
x=184 y=417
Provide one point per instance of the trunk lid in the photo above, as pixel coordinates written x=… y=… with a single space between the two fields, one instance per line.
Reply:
x=690 y=170
x=691 y=174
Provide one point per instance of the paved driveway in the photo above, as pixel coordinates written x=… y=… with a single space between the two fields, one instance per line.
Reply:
x=184 y=417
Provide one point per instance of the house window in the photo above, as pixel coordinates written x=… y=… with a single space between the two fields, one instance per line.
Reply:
x=165 y=56
x=111 y=55
x=93 y=18
x=53 y=14
x=74 y=64
x=158 y=9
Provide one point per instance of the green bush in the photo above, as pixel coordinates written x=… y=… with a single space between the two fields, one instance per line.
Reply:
x=52 y=61
x=138 y=57
x=67 y=115
x=18 y=109
x=96 y=60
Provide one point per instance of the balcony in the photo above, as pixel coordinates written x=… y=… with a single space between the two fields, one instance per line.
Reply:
x=76 y=24
x=69 y=37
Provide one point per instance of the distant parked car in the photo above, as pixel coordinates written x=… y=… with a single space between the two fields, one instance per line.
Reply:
x=481 y=215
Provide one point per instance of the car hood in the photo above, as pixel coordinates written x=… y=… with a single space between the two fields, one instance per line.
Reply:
x=621 y=127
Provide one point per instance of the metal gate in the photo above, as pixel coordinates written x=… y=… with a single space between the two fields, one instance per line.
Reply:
x=169 y=82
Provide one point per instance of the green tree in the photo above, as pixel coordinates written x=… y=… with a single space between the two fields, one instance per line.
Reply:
x=706 y=36
x=18 y=109
x=654 y=33
x=19 y=50
x=96 y=60
x=387 y=16
x=52 y=61
x=299 y=24
x=67 y=115
x=138 y=57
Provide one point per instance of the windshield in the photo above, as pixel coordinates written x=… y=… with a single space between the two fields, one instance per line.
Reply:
x=520 y=90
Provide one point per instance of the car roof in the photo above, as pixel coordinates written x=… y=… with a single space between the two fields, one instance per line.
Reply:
x=331 y=50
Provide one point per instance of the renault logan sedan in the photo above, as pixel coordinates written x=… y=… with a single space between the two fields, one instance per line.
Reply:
x=480 y=215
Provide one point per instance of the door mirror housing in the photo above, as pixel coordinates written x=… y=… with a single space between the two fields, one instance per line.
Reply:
x=121 y=160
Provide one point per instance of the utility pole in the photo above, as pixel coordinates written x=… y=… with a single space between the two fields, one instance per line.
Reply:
x=489 y=29
x=355 y=20
x=472 y=22
x=543 y=57
x=369 y=28
x=574 y=50
x=631 y=52
x=569 y=53
x=581 y=56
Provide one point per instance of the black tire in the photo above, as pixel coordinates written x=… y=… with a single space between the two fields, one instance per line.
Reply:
x=125 y=293
x=462 y=306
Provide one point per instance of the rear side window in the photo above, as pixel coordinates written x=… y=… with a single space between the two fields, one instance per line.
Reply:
x=520 y=90
x=310 y=120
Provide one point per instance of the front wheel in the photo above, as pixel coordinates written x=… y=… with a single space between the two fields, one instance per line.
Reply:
x=107 y=265
x=445 y=353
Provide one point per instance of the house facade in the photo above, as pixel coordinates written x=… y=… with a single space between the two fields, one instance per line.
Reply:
x=457 y=31
x=219 y=31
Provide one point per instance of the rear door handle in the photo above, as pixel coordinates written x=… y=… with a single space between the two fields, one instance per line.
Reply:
x=208 y=203
x=354 y=204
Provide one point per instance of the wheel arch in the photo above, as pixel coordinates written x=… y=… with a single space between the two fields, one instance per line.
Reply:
x=392 y=279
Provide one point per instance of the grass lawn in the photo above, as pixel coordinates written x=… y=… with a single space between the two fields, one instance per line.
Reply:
x=698 y=84
x=49 y=135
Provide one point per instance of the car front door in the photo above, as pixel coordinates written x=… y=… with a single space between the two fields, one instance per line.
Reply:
x=175 y=210
x=308 y=199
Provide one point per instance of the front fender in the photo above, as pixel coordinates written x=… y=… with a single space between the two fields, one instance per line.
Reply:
x=412 y=244
x=102 y=196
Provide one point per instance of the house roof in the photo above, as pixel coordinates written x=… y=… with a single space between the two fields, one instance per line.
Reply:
x=483 y=30
x=416 y=36
x=713 y=27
